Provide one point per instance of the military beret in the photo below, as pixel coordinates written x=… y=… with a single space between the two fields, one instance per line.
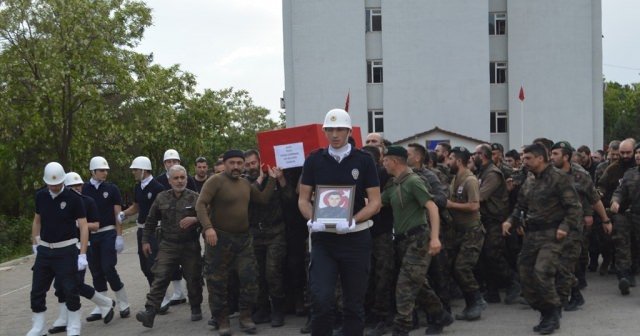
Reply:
x=396 y=151
x=497 y=146
x=562 y=144
x=232 y=153
x=461 y=150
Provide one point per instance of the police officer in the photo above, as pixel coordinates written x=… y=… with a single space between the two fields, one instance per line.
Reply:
x=416 y=241
x=107 y=241
x=464 y=206
x=345 y=250
x=144 y=193
x=179 y=245
x=551 y=207
x=225 y=197
x=57 y=210
x=267 y=227
x=74 y=182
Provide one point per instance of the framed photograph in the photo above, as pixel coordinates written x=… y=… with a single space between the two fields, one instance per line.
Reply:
x=333 y=204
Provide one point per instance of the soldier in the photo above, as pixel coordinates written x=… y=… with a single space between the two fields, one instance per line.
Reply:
x=443 y=149
x=145 y=192
x=583 y=156
x=627 y=195
x=497 y=152
x=179 y=245
x=107 y=241
x=416 y=241
x=622 y=230
x=345 y=251
x=464 y=206
x=267 y=227
x=512 y=159
x=551 y=207
x=202 y=173
x=575 y=244
x=57 y=210
x=494 y=209
x=225 y=197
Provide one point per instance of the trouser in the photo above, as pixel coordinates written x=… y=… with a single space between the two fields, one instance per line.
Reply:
x=102 y=258
x=233 y=251
x=569 y=256
x=412 y=286
x=493 y=257
x=626 y=232
x=538 y=264
x=466 y=252
x=381 y=279
x=270 y=254
x=347 y=256
x=146 y=262
x=84 y=290
x=170 y=256
x=61 y=264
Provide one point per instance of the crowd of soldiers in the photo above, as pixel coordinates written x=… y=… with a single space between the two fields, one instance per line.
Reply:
x=426 y=227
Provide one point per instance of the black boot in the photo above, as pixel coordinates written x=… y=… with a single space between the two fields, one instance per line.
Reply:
x=196 y=313
x=444 y=319
x=492 y=295
x=576 y=301
x=261 y=315
x=147 y=316
x=623 y=282
x=277 y=312
x=474 y=308
x=550 y=321
x=306 y=329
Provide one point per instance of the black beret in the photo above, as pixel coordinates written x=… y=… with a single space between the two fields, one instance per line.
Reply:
x=396 y=151
x=562 y=144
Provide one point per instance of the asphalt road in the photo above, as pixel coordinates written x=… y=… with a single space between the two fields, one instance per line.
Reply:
x=605 y=313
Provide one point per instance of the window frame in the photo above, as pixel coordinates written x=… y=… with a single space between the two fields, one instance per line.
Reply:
x=372 y=65
x=494 y=19
x=370 y=13
x=494 y=68
x=373 y=116
x=494 y=118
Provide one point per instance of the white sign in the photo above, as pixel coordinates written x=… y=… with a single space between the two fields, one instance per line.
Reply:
x=289 y=155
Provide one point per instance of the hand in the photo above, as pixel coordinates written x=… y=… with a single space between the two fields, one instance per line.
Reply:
x=343 y=227
x=210 y=236
x=187 y=222
x=82 y=262
x=34 y=247
x=615 y=207
x=121 y=216
x=588 y=221
x=434 y=246
x=316 y=226
x=520 y=231
x=272 y=172
x=506 y=226
x=608 y=228
x=509 y=182
x=119 y=244
x=146 y=249
x=560 y=234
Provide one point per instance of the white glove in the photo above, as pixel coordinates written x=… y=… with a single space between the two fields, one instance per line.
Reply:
x=119 y=244
x=35 y=249
x=345 y=227
x=121 y=216
x=82 y=262
x=316 y=226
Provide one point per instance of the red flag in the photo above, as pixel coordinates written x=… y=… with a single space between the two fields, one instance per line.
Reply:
x=346 y=103
x=521 y=95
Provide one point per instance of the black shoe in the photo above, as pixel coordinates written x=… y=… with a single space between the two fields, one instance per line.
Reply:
x=94 y=317
x=177 y=302
x=623 y=285
x=277 y=319
x=261 y=315
x=56 y=330
x=110 y=314
x=196 y=314
x=146 y=317
x=125 y=313
x=379 y=330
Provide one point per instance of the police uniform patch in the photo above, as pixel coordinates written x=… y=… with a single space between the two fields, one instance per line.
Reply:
x=355 y=173
x=105 y=194
x=149 y=195
x=63 y=205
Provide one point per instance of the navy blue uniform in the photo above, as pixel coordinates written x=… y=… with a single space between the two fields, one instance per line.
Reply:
x=58 y=224
x=144 y=198
x=101 y=254
x=347 y=255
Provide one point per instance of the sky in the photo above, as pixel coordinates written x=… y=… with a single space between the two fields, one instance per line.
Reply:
x=238 y=43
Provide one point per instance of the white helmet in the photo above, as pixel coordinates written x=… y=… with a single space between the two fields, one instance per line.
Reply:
x=141 y=162
x=98 y=162
x=53 y=173
x=72 y=178
x=337 y=118
x=171 y=154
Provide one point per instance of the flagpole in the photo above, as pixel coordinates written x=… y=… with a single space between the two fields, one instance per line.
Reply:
x=522 y=121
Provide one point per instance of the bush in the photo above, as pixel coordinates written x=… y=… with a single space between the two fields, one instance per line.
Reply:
x=15 y=237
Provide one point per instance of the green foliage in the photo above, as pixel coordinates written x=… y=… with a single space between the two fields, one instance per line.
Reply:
x=15 y=237
x=621 y=111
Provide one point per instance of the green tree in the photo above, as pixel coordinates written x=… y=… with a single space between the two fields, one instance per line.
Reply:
x=621 y=111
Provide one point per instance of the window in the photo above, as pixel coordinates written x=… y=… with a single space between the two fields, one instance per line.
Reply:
x=375 y=121
x=497 y=23
x=374 y=71
x=373 y=16
x=498 y=72
x=498 y=122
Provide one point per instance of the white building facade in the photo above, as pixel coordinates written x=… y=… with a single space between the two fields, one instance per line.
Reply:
x=411 y=65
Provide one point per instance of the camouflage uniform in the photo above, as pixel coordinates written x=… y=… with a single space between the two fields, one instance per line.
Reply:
x=514 y=241
x=601 y=242
x=444 y=173
x=177 y=246
x=628 y=196
x=550 y=203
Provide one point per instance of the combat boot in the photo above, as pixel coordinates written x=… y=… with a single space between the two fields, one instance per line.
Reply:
x=379 y=329
x=277 y=313
x=246 y=323
x=550 y=322
x=576 y=301
x=623 y=285
x=463 y=314
x=261 y=315
x=306 y=329
x=196 y=313
x=224 y=328
x=147 y=316
x=436 y=327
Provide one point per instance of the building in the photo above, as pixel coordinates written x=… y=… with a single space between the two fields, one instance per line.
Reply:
x=412 y=65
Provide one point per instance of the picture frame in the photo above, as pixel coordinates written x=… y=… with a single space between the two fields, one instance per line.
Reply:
x=333 y=204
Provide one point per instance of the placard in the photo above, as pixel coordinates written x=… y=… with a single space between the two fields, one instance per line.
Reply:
x=289 y=155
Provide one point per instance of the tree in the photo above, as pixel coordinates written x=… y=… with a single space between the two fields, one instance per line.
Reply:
x=621 y=111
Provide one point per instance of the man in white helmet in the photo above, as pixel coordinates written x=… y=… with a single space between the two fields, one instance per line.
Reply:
x=107 y=241
x=145 y=192
x=344 y=248
x=171 y=158
x=74 y=182
x=57 y=210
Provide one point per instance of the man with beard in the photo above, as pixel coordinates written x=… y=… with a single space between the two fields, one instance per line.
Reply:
x=222 y=211
x=267 y=228
x=443 y=149
x=497 y=156
x=622 y=228
x=583 y=157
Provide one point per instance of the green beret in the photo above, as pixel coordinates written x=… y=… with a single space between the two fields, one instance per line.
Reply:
x=396 y=151
x=562 y=144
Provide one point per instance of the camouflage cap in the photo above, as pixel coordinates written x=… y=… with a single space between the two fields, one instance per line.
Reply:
x=396 y=151
x=461 y=150
x=562 y=144
x=497 y=146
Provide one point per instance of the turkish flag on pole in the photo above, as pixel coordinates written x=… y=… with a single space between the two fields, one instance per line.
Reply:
x=346 y=103
x=521 y=95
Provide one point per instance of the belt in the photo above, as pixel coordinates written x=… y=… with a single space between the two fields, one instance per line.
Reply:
x=412 y=231
x=106 y=228
x=359 y=227
x=540 y=226
x=58 y=245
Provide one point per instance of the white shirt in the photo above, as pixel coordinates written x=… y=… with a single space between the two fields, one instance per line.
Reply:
x=340 y=153
x=144 y=183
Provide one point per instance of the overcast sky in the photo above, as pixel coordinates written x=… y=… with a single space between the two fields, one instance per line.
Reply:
x=238 y=43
